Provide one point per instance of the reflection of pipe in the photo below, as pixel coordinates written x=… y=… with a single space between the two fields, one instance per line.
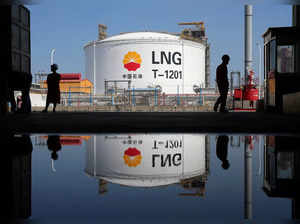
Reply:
x=52 y=166
x=259 y=155
x=248 y=181
x=95 y=156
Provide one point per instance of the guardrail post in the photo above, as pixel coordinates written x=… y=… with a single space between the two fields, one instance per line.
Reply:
x=155 y=96
x=69 y=96
x=90 y=95
x=200 y=97
x=133 y=97
x=178 y=99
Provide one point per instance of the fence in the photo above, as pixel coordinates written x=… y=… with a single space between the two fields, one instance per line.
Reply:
x=135 y=98
x=131 y=100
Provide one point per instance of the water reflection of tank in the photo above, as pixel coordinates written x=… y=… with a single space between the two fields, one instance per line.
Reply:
x=143 y=160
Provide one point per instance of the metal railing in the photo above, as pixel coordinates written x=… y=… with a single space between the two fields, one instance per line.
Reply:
x=130 y=100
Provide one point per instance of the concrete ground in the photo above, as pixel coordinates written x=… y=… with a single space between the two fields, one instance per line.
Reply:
x=146 y=122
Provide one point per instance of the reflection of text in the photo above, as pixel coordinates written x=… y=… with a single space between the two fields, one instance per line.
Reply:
x=166 y=160
x=168 y=144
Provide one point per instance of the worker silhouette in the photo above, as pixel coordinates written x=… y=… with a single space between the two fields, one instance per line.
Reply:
x=223 y=84
x=222 y=149
x=54 y=145
x=53 y=95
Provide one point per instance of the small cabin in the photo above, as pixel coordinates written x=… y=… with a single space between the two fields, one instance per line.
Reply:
x=281 y=67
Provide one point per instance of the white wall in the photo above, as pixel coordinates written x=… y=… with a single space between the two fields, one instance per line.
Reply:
x=38 y=100
x=110 y=55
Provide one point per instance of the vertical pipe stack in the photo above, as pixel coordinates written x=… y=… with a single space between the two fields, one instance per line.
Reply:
x=248 y=40
x=248 y=153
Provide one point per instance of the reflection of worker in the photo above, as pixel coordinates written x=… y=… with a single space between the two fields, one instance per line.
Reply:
x=223 y=84
x=54 y=145
x=53 y=95
x=222 y=149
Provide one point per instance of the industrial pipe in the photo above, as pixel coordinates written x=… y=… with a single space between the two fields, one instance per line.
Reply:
x=248 y=40
x=247 y=152
x=52 y=56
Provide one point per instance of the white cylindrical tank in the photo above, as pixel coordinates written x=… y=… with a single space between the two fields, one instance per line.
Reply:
x=147 y=59
x=143 y=160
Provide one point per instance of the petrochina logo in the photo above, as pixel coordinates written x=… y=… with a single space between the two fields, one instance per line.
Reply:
x=132 y=61
x=132 y=157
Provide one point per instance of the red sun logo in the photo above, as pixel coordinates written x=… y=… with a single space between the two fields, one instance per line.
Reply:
x=132 y=61
x=132 y=157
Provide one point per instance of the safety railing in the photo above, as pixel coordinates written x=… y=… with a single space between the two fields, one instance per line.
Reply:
x=131 y=100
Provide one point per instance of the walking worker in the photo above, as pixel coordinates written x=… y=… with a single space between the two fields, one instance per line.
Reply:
x=53 y=95
x=223 y=84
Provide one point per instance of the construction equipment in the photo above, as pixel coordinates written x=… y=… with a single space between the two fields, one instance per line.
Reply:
x=194 y=34
x=198 y=35
x=199 y=25
x=102 y=32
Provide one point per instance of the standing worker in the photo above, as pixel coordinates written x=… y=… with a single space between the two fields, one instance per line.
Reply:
x=53 y=95
x=223 y=84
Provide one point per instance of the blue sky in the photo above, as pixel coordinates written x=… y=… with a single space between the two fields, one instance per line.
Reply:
x=68 y=25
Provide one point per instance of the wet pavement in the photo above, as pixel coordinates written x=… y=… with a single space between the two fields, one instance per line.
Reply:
x=120 y=122
x=151 y=178
x=151 y=167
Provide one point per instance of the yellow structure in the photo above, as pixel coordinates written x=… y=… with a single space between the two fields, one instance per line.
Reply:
x=73 y=86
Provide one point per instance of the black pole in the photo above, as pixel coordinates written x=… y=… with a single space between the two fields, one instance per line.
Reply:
x=296 y=15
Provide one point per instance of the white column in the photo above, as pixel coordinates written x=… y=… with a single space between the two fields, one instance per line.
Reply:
x=94 y=75
x=52 y=56
x=248 y=39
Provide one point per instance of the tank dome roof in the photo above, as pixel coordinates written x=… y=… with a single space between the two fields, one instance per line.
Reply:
x=142 y=35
